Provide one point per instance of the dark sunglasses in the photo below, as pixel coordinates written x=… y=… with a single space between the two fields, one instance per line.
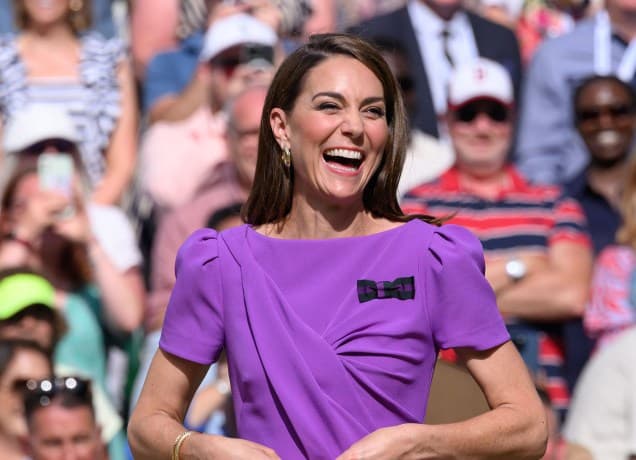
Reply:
x=59 y=145
x=615 y=111
x=497 y=112
x=246 y=54
x=41 y=392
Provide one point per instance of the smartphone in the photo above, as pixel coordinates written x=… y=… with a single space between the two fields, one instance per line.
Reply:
x=55 y=172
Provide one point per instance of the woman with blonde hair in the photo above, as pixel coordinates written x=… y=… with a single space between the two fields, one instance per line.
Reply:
x=53 y=59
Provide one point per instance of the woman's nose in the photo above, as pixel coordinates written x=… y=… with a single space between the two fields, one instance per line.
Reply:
x=352 y=124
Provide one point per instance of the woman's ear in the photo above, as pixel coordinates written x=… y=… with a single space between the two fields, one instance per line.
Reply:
x=278 y=123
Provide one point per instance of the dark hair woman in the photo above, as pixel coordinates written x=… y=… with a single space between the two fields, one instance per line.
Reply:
x=330 y=303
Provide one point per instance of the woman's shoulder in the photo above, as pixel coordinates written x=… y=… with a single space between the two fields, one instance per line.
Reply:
x=451 y=244
x=200 y=242
x=446 y=235
x=7 y=39
x=97 y=47
x=8 y=51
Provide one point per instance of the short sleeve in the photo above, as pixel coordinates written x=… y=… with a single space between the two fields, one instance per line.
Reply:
x=461 y=304
x=570 y=224
x=160 y=79
x=193 y=325
x=115 y=233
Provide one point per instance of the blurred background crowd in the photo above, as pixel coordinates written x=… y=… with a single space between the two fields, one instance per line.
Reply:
x=127 y=124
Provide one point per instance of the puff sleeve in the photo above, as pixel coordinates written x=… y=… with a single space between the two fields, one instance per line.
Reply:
x=193 y=325
x=460 y=302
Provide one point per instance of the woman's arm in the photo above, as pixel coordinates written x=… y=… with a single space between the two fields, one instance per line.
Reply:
x=153 y=28
x=514 y=428
x=121 y=152
x=157 y=420
x=122 y=293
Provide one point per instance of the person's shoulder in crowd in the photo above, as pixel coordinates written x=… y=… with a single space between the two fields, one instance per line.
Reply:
x=169 y=72
x=562 y=46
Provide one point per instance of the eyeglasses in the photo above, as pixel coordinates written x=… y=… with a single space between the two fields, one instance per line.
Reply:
x=59 y=145
x=614 y=111
x=42 y=392
x=497 y=112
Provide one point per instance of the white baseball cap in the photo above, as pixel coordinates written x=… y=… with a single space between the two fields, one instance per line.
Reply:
x=480 y=79
x=238 y=29
x=35 y=123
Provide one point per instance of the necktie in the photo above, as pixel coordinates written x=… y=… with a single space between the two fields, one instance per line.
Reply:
x=445 y=37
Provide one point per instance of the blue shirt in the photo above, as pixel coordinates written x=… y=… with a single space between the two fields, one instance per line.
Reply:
x=101 y=9
x=602 y=219
x=169 y=72
x=603 y=222
x=549 y=148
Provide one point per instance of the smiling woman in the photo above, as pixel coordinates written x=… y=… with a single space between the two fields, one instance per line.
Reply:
x=330 y=303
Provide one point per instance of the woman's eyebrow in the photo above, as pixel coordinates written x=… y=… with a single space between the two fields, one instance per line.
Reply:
x=340 y=97
x=328 y=94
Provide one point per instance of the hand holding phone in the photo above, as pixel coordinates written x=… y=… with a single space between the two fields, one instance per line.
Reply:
x=55 y=173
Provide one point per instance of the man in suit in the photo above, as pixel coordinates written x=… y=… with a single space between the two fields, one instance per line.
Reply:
x=437 y=35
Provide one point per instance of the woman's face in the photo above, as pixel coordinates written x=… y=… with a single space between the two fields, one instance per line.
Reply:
x=606 y=121
x=336 y=131
x=26 y=365
x=46 y=12
x=26 y=189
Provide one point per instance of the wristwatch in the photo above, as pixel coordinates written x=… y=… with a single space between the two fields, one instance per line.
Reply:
x=516 y=269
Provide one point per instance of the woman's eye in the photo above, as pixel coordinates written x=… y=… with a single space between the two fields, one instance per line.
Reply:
x=328 y=106
x=377 y=112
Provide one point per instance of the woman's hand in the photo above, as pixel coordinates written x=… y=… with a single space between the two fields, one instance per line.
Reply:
x=38 y=213
x=392 y=443
x=75 y=226
x=206 y=446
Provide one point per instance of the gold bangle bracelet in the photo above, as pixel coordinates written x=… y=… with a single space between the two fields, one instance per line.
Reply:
x=176 y=447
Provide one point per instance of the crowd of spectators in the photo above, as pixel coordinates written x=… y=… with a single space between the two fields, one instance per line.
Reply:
x=127 y=124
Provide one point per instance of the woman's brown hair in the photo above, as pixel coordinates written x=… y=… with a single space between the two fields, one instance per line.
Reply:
x=66 y=263
x=80 y=16
x=626 y=233
x=270 y=199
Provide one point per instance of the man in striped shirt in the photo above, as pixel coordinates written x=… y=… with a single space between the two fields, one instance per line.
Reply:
x=538 y=256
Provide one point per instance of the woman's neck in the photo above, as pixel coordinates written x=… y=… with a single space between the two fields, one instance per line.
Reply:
x=51 y=34
x=320 y=221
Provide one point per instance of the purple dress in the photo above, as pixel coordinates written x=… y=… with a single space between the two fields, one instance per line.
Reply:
x=329 y=340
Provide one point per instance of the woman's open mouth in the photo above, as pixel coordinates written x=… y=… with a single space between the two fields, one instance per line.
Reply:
x=344 y=160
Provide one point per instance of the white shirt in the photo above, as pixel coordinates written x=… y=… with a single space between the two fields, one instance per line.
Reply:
x=426 y=159
x=115 y=234
x=602 y=414
x=461 y=45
